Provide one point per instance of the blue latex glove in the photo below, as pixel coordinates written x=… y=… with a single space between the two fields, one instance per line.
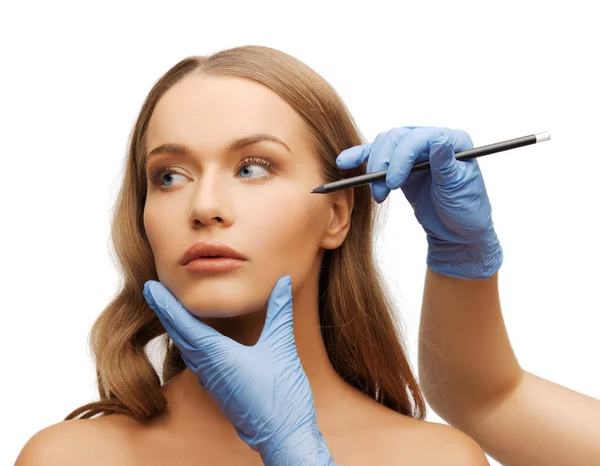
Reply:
x=262 y=389
x=449 y=199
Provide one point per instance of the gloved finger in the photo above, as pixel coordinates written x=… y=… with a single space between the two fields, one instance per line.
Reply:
x=460 y=139
x=419 y=142
x=195 y=369
x=445 y=169
x=353 y=156
x=280 y=320
x=188 y=332
x=160 y=313
x=380 y=157
x=185 y=347
x=406 y=153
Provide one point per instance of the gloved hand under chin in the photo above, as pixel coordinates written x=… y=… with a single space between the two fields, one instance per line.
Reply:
x=449 y=199
x=262 y=389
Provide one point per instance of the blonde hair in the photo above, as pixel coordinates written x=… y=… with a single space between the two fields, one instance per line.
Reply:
x=355 y=311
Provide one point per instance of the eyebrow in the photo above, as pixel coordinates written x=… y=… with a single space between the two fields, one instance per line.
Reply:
x=234 y=145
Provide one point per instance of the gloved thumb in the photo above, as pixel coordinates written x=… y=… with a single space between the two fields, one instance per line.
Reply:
x=279 y=321
x=353 y=156
x=443 y=163
x=188 y=332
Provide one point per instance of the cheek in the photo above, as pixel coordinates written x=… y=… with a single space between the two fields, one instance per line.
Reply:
x=161 y=227
x=149 y=226
x=287 y=229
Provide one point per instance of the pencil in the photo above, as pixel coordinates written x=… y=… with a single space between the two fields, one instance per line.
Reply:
x=464 y=155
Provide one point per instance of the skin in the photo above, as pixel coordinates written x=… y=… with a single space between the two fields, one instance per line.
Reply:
x=282 y=229
x=471 y=377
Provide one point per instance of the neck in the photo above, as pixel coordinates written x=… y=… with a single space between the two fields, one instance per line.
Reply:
x=327 y=387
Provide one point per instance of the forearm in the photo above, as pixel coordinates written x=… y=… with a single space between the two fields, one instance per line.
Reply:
x=465 y=358
x=470 y=376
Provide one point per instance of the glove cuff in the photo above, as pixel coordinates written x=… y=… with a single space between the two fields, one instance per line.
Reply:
x=471 y=261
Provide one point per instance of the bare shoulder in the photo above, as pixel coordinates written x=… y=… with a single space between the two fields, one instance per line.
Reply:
x=397 y=439
x=443 y=444
x=94 y=442
x=383 y=436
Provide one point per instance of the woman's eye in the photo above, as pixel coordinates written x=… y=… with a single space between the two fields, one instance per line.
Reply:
x=253 y=166
x=159 y=175
x=247 y=170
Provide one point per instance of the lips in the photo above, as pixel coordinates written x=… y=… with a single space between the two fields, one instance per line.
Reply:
x=206 y=249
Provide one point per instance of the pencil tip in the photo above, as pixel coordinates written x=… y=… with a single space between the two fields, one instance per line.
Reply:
x=319 y=189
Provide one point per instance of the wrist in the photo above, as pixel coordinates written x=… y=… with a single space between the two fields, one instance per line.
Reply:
x=304 y=447
x=473 y=261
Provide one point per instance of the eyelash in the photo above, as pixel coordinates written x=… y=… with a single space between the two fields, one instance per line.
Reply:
x=156 y=174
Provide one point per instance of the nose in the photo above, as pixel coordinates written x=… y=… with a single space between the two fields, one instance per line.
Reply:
x=209 y=203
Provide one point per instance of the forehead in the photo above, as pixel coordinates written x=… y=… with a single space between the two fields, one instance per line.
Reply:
x=203 y=111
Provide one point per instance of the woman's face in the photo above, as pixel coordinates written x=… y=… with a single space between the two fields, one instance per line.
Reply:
x=261 y=207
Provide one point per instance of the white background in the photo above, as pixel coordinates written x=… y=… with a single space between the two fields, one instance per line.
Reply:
x=75 y=74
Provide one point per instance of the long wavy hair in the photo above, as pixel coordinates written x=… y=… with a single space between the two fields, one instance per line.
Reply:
x=356 y=312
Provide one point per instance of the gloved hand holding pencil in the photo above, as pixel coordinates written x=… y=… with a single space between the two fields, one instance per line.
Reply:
x=449 y=200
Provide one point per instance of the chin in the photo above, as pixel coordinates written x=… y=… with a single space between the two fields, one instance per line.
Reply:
x=221 y=313
x=225 y=295
x=222 y=306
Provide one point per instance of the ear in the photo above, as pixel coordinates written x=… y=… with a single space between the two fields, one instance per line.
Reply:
x=342 y=203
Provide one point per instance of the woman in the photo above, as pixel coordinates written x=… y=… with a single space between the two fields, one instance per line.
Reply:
x=201 y=126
